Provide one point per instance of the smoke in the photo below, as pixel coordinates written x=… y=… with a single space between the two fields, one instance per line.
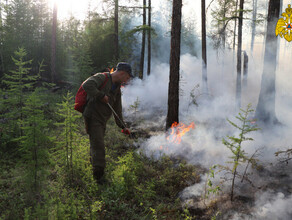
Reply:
x=203 y=145
x=153 y=91
x=270 y=206
x=276 y=204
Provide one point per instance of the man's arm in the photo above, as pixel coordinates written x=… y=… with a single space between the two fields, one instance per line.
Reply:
x=117 y=106
x=91 y=86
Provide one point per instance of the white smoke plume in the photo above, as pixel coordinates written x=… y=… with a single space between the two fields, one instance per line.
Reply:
x=270 y=206
x=203 y=144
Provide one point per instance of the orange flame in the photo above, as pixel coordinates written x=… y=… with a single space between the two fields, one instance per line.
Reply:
x=112 y=70
x=178 y=130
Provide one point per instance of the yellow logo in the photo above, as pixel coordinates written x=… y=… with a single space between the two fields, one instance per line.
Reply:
x=284 y=26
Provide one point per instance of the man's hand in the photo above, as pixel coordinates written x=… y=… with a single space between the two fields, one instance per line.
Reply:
x=105 y=99
x=126 y=131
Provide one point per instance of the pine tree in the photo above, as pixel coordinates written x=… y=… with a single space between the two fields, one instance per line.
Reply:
x=34 y=142
x=149 y=38
x=80 y=64
x=1 y=42
x=204 y=48
x=16 y=84
x=173 y=88
x=68 y=136
x=116 y=35
x=222 y=15
x=25 y=24
x=141 y=71
x=234 y=144
x=266 y=108
x=53 y=45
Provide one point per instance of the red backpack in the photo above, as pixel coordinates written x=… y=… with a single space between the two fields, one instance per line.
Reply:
x=81 y=96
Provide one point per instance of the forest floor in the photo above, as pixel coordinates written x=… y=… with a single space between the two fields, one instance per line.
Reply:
x=138 y=185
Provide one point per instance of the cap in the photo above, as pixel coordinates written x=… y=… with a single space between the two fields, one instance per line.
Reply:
x=125 y=67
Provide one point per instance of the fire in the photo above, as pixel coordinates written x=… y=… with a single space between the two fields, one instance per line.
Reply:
x=112 y=70
x=178 y=130
x=161 y=148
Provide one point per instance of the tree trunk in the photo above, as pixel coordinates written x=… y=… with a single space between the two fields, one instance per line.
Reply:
x=245 y=70
x=149 y=38
x=53 y=45
x=141 y=73
x=204 y=52
x=235 y=25
x=173 y=88
x=1 y=43
x=265 y=111
x=234 y=35
x=116 y=35
x=253 y=26
x=238 y=77
x=224 y=23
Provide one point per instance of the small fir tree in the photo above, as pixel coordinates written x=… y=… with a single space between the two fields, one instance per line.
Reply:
x=234 y=144
x=33 y=143
x=16 y=84
x=135 y=106
x=69 y=128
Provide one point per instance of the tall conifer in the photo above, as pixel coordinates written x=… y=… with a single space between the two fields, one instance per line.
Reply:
x=33 y=143
x=16 y=84
x=68 y=135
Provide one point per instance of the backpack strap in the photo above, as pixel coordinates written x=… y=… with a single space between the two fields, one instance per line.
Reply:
x=104 y=82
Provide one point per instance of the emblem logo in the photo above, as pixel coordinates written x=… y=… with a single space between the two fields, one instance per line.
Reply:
x=284 y=26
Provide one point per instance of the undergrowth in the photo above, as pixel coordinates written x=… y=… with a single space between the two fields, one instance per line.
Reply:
x=138 y=187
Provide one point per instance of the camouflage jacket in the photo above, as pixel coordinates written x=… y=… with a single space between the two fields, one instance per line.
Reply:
x=95 y=109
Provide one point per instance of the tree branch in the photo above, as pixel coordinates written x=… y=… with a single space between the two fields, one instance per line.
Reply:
x=287 y=155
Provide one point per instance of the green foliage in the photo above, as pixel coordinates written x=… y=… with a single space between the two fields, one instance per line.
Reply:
x=34 y=145
x=135 y=106
x=138 y=187
x=68 y=136
x=99 y=37
x=17 y=85
x=187 y=215
x=141 y=28
x=124 y=176
x=96 y=207
x=154 y=214
x=190 y=40
x=79 y=64
x=209 y=187
x=222 y=14
x=234 y=144
x=217 y=214
x=27 y=24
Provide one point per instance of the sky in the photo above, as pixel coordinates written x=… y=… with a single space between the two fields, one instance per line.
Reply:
x=79 y=8
x=191 y=10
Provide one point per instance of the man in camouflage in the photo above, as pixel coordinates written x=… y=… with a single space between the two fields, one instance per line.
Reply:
x=102 y=89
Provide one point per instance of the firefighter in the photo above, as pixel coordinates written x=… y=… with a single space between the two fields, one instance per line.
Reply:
x=103 y=90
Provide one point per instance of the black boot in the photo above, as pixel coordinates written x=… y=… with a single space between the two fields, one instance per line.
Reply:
x=98 y=175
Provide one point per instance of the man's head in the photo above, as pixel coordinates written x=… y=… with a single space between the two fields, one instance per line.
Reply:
x=125 y=67
x=124 y=71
